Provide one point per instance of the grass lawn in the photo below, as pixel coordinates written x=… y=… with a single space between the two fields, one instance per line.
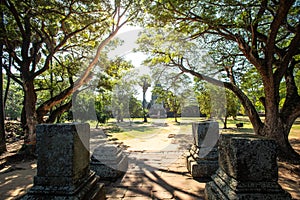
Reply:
x=136 y=128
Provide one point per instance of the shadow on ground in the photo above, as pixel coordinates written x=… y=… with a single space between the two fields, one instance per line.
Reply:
x=145 y=181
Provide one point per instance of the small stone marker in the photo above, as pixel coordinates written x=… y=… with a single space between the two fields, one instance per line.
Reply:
x=202 y=161
x=63 y=170
x=247 y=169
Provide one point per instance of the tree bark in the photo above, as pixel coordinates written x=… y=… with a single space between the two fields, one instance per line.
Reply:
x=144 y=105
x=279 y=131
x=58 y=111
x=30 y=99
x=7 y=84
x=175 y=116
x=2 y=125
x=225 y=122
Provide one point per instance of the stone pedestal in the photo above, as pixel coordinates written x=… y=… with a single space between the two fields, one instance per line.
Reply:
x=247 y=169
x=63 y=170
x=202 y=161
x=109 y=161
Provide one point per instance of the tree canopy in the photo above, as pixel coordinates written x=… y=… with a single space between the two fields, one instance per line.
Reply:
x=240 y=36
x=47 y=38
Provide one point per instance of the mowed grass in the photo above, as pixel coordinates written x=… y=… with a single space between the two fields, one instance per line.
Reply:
x=137 y=129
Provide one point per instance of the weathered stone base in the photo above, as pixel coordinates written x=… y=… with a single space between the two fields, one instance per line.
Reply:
x=225 y=187
x=89 y=189
x=202 y=168
x=247 y=170
x=109 y=162
x=63 y=170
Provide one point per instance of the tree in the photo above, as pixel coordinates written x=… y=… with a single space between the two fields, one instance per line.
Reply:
x=135 y=108
x=145 y=83
x=14 y=100
x=261 y=35
x=122 y=92
x=232 y=107
x=212 y=105
x=37 y=33
x=102 y=106
x=107 y=80
x=172 y=90
x=170 y=100
x=2 y=120
x=2 y=127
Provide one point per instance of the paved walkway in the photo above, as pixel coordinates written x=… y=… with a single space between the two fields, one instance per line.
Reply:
x=155 y=175
x=156 y=169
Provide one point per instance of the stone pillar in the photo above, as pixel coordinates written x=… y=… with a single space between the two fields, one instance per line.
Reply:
x=63 y=170
x=247 y=169
x=202 y=161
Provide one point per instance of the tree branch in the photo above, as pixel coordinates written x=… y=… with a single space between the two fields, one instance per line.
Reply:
x=247 y=104
x=282 y=11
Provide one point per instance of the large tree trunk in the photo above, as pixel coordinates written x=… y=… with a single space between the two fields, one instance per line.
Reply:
x=30 y=114
x=2 y=126
x=278 y=130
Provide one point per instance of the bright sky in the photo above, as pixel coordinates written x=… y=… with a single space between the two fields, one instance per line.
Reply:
x=129 y=36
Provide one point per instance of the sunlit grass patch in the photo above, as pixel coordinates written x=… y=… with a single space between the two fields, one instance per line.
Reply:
x=138 y=129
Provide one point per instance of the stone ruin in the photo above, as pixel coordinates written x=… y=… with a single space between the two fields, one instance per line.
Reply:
x=108 y=161
x=202 y=160
x=63 y=170
x=247 y=169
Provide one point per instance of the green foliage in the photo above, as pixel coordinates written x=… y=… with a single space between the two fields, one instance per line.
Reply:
x=102 y=106
x=13 y=106
x=84 y=107
x=173 y=90
x=144 y=82
x=135 y=108
x=216 y=102
x=121 y=94
x=110 y=71
x=232 y=104
x=252 y=46
x=252 y=85
x=208 y=96
x=53 y=43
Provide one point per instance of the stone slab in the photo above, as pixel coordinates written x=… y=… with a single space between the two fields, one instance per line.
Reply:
x=204 y=153
x=109 y=161
x=63 y=154
x=63 y=170
x=202 y=160
x=205 y=134
x=248 y=157
x=89 y=189
x=247 y=169
x=202 y=170
x=214 y=192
